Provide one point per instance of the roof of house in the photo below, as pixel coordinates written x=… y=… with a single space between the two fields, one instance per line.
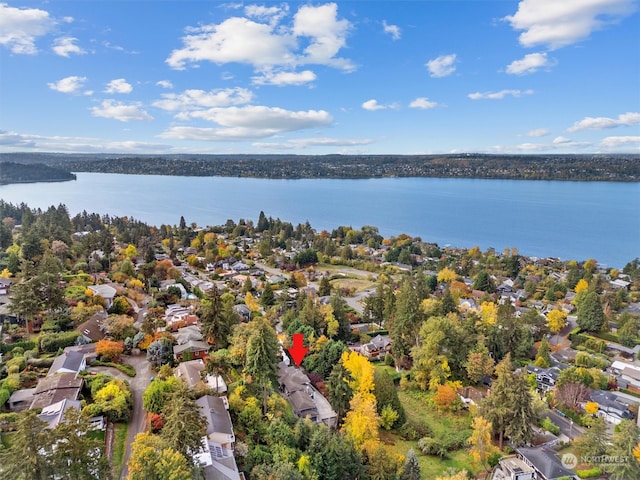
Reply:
x=92 y=328
x=293 y=379
x=631 y=373
x=24 y=395
x=69 y=361
x=190 y=372
x=56 y=387
x=545 y=461
x=54 y=413
x=214 y=410
x=191 y=345
x=105 y=291
x=302 y=402
x=185 y=334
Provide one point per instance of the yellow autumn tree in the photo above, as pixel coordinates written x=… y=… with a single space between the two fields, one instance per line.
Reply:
x=362 y=421
x=556 y=320
x=591 y=408
x=488 y=313
x=5 y=273
x=480 y=441
x=581 y=286
x=446 y=275
x=251 y=302
x=636 y=452
x=461 y=475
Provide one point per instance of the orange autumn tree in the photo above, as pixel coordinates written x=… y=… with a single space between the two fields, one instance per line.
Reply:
x=109 y=350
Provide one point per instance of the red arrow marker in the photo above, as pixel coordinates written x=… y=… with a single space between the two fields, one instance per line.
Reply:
x=298 y=351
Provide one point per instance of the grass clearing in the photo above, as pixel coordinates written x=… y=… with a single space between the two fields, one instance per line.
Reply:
x=119 y=444
x=419 y=408
x=356 y=284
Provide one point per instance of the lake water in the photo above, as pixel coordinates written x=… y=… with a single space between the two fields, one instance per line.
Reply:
x=570 y=220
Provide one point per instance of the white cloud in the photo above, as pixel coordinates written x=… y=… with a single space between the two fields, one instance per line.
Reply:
x=199 y=99
x=268 y=45
x=613 y=142
x=328 y=34
x=392 y=30
x=20 y=27
x=561 y=140
x=600 y=123
x=271 y=15
x=373 y=105
x=538 y=132
x=64 y=46
x=560 y=23
x=498 y=95
x=285 y=78
x=119 y=85
x=249 y=122
x=164 y=84
x=68 y=84
x=300 y=143
x=423 y=103
x=121 y=111
x=12 y=141
x=442 y=66
x=530 y=63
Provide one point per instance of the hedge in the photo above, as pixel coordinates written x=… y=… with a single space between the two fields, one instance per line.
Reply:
x=123 y=367
x=589 y=473
x=52 y=342
x=7 y=347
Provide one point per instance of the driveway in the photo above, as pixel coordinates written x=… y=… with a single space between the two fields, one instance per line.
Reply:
x=139 y=383
x=567 y=427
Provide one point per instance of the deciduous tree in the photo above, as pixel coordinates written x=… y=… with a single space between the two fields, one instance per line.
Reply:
x=482 y=446
x=152 y=458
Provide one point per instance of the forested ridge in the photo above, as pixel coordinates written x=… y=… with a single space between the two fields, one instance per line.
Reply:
x=596 y=167
x=11 y=172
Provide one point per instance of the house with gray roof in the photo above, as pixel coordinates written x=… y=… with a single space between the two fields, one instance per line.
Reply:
x=191 y=373
x=217 y=458
x=54 y=413
x=54 y=388
x=545 y=462
x=69 y=362
x=303 y=397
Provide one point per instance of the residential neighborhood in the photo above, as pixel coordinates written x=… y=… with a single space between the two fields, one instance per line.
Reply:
x=174 y=342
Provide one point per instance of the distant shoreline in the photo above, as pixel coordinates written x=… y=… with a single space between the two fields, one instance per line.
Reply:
x=596 y=167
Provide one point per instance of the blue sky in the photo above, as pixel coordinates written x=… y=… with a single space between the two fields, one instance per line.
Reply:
x=408 y=77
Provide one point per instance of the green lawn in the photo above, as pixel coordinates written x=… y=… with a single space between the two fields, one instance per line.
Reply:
x=119 y=443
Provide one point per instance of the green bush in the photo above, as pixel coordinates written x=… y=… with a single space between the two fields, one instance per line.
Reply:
x=7 y=347
x=52 y=342
x=40 y=362
x=589 y=473
x=4 y=395
x=412 y=430
x=549 y=426
x=123 y=367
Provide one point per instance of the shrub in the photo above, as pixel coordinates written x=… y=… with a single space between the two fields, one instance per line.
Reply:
x=589 y=473
x=412 y=430
x=8 y=347
x=549 y=426
x=52 y=342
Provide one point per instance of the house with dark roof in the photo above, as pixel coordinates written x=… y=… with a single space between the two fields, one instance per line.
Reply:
x=54 y=413
x=546 y=378
x=379 y=346
x=217 y=458
x=93 y=330
x=303 y=397
x=610 y=407
x=69 y=362
x=54 y=388
x=545 y=462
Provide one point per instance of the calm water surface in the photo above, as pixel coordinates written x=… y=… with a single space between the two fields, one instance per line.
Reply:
x=570 y=220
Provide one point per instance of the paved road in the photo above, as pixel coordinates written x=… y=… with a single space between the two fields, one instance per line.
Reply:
x=567 y=427
x=138 y=385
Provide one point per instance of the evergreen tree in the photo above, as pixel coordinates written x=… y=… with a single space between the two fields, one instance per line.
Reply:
x=216 y=326
x=595 y=439
x=324 y=289
x=543 y=357
x=267 y=298
x=152 y=458
x=411 y=469
x=509 y=405
x=184 y=426
x=590 y=312
x=262 y=356
x=624 y=441
x=340 y=393
x=29 y=456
